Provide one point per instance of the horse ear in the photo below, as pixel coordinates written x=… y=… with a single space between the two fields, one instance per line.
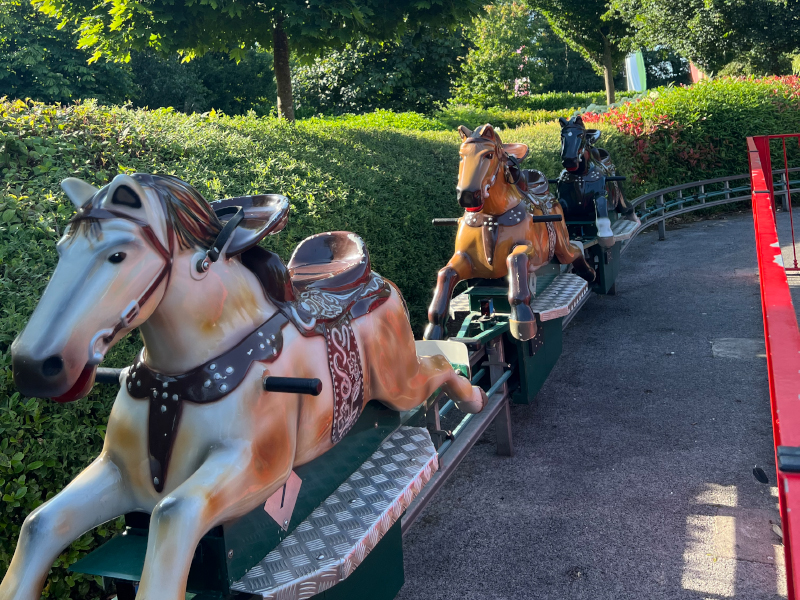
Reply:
x=488 y=132
x=518 y=151
x=127 y=197
x=464 y=132
x=579 y=121
x=563 y=121
x=78 y=191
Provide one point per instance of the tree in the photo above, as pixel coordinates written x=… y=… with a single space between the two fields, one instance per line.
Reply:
x=194 y=28
x=714 y=33
x=503 y=65
x=41 y=62
x=211 y=81
x=412 y=73
x=592 y=28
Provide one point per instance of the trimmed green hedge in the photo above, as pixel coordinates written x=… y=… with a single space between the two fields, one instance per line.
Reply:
x=371 y=174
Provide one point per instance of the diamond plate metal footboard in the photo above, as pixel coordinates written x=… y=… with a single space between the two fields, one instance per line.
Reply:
x=560 y=297
x=328 y=546
x=623 y=229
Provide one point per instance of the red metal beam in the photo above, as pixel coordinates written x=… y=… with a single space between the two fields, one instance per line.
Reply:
x=782 y=338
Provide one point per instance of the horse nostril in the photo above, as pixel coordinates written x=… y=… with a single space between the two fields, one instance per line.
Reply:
x=52 y=366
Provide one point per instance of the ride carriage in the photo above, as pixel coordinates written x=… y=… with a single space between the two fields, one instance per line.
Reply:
x=242 y=447
x=514 y=228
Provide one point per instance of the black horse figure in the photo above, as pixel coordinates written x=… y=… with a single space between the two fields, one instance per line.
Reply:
x=584 y=189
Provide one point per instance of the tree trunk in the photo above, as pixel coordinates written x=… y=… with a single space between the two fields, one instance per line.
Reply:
x=283 y=76
x=608 y=71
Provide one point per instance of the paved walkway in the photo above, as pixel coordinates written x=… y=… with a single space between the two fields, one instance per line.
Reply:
x=633 y=472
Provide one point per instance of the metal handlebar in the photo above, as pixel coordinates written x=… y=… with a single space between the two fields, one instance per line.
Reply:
x=107 y=375
x=293 y=385
x=535 y=218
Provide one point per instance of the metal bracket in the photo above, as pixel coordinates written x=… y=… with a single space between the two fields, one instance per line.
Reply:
x=439 y=436
x=495 y=363
x=789 y=459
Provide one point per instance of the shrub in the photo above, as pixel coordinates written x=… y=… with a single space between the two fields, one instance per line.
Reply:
x=683 y=134
x=455 y=115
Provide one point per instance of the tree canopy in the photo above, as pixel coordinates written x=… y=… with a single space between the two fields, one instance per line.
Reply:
x=412 y=73
x=193 y=28
x=592 y=28
x=39 y=61
x=503 y=64
x=713 y=33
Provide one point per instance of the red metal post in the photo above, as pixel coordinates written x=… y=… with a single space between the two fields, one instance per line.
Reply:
x=788 y=198
x=761 y=143
x=782 y=339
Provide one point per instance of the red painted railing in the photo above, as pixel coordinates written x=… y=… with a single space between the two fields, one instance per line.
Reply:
x=783 y=351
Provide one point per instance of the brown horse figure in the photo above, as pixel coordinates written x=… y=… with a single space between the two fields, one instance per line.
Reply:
x=497 y=236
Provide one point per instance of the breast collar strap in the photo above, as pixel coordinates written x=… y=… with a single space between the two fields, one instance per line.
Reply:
x=132 y=310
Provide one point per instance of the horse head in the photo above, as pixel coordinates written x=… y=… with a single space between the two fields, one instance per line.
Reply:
x=115 y=261
x=576 y=141
x=483 y=154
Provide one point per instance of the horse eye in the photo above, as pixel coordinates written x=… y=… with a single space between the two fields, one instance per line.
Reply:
x=117 y=257
x=490 y=156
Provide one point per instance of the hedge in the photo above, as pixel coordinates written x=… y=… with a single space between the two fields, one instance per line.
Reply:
x=385 y=183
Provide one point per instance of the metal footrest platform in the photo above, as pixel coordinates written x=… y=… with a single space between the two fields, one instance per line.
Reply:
x=459 y=304
x=624 y=229
x=328 y=546
x=560 y=297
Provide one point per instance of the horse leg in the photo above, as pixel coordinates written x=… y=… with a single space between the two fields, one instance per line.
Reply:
x=230 y=483
x=568 y=253
x=605 y=237
x=521 y=321
x=626 y=210
x=458 y=269
x=95 y=496
x=395 y=375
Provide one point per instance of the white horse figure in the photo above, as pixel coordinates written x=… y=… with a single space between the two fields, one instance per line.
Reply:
x=140 y=253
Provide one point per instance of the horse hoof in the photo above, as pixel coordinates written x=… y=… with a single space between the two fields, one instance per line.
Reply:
x=522 y=330
x=603 y=225
x=606 y=242
x=475 y=404
x=588 y=275
x=433 y=332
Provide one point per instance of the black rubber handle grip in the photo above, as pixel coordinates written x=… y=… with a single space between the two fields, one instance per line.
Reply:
x=445 y=221
x=293 y=385
x=552 y=181
x=107 y=375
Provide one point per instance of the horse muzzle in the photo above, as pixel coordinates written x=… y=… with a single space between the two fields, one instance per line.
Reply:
x=470 y=200
x=49 y=378
x=570 y=164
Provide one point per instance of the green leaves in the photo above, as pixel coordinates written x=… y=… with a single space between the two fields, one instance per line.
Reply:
x=413 y=73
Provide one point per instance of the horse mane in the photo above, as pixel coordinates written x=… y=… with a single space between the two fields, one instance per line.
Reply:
x=194 y=222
